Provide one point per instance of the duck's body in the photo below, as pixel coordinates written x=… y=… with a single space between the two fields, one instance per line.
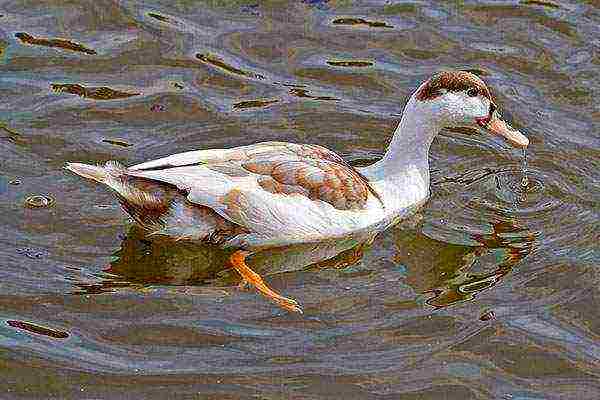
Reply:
x=273 y=194
x=262 y=195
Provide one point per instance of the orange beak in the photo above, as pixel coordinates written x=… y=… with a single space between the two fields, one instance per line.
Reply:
x=493 y=124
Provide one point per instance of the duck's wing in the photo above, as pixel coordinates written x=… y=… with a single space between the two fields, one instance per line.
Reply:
x=259 y=186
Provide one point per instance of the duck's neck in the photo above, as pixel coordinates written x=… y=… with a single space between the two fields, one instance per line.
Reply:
x=408 y=151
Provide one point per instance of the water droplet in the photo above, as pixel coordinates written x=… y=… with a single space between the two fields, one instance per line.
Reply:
x=524 y=179
x=39 y=201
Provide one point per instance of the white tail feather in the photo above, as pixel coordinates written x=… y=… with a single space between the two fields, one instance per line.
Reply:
x=96 y=172
x=108 y=175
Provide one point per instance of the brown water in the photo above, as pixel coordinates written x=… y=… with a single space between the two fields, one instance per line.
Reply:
x=492 y=294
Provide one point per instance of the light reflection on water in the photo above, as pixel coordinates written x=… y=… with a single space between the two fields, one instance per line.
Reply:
x=491 y=293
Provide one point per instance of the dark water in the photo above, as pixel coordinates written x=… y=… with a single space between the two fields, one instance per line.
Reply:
x=492 y=294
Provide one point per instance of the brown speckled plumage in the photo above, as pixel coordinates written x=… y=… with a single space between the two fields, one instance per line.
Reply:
x=329 y=181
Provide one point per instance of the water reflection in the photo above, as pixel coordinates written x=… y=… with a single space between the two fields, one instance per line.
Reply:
x=96 y=93
x=449 y=273
x=145 y=261
x=453 y=273
x=60 y=43
x=523 y=258
x=38 y=329
x=154 y=261
x=253 y=104
x=217 y=62
x=361 y=22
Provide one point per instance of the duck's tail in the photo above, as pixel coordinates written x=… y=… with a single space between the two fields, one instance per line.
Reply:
x=97 y=173
x=130 y=190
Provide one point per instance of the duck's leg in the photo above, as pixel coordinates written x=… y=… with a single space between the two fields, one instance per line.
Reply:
x=238 y=260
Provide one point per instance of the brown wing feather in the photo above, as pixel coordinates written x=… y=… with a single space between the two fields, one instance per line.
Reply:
x=321 y=179
x=323 y=153
x=283 y=168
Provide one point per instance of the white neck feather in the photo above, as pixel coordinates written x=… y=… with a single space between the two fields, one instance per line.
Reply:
x=409 y=148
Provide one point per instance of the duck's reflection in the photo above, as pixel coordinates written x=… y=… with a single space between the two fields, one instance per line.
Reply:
x=449 y=273
x=143 y=261
x=452 y=273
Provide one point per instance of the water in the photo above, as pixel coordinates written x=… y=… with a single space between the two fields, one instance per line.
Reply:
x=490 y=293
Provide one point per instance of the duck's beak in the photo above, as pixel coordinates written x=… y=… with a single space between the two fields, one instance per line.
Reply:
x=494 y=124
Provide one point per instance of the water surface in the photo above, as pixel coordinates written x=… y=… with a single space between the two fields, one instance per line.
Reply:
x=492 y=293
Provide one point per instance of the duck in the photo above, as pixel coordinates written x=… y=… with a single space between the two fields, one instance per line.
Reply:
x=275 y=194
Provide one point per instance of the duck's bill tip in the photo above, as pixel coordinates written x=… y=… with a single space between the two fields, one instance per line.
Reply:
x=498 y=127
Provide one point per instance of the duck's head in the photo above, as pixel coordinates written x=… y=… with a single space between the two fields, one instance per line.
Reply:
x=461 y=99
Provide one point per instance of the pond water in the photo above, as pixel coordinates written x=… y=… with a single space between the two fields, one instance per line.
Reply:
x=491 y=293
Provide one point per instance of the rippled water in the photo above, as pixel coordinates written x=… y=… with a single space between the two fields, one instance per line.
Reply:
x=491 y=294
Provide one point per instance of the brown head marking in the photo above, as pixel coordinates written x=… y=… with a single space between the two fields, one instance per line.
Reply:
x=454 y=81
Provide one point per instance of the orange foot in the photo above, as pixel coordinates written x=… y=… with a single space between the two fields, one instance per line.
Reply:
x=238 y=260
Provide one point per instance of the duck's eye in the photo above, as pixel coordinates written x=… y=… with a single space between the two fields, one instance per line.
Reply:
x=472 y=92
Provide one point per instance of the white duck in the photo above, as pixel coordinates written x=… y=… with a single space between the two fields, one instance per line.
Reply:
x=274 y=193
